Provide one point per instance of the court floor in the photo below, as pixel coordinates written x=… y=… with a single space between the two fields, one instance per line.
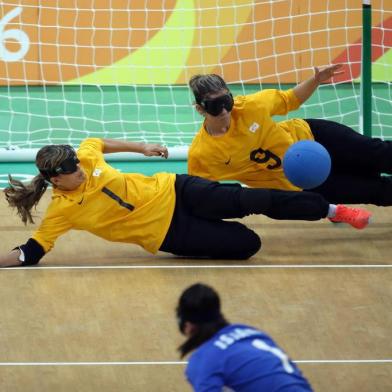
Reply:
x=99 y=316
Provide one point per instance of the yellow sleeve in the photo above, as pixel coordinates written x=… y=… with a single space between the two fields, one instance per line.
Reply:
x=92 y=144
x=91 y=149
x=89 y=153
x=279 y=102
x=51 y=227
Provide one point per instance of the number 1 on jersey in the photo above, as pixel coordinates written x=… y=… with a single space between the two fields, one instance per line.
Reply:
x=275 y=351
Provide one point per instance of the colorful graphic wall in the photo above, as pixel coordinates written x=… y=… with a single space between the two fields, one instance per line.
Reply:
x=84 y=42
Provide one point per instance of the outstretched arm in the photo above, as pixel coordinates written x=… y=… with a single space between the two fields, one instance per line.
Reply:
x=148 y=149
x=29 y=253
x=305 y=89
x=11 y=259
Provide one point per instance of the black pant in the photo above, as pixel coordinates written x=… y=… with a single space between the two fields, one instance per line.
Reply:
x=198 y=229
x=357 y=164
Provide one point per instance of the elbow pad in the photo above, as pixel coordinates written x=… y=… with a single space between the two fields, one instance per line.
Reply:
x=31 y=252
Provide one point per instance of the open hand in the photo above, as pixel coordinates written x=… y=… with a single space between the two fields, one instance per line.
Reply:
x=324 y=74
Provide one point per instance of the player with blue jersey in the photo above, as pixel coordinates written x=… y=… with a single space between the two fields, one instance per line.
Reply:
x=232 y=356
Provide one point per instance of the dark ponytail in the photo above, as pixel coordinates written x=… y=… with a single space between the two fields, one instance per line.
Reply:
x=24 y=197
x=203 y=333
x=199 y=304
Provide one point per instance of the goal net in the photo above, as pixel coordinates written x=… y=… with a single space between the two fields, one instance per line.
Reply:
x=119 y=68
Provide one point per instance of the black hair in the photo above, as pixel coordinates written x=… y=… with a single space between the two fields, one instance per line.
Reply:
x=204 y=85
x=200 y=305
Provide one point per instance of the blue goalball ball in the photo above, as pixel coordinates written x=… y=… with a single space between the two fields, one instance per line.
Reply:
x=307 y=164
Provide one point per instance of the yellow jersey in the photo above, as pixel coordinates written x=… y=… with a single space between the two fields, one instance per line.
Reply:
x=122 y=207
x=252 y=149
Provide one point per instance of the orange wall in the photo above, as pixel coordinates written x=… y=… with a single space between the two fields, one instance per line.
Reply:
x=278 y=42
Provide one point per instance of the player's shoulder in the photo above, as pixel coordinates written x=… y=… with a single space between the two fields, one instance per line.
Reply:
x=263 y=95
x=238 y=331
x=92 y=143
x=90 y=150
x=211 y=345
x=251 y=100
x=205 y=357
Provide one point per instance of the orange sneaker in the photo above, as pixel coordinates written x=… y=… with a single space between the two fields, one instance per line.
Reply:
x=356 y=217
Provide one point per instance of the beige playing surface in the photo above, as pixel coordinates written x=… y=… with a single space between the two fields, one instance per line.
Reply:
x=118 y=311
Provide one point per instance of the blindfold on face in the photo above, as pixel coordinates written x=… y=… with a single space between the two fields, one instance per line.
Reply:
x=216 y=105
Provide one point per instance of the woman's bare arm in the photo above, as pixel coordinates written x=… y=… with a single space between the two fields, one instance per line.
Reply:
x=148 y=149
x=304 y=90
x=11 y=259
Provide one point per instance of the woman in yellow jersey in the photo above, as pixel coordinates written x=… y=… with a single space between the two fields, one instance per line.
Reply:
x=239 y=140
x=180 y=214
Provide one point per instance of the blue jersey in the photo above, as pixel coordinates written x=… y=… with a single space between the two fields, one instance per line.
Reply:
x=243 y=359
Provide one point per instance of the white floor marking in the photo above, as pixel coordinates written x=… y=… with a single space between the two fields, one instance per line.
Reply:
x=176 y=363
x=260 y=266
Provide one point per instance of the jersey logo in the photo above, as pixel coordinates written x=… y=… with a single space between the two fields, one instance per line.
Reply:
x=254 y=127
x=97 y=172
x=228 y=161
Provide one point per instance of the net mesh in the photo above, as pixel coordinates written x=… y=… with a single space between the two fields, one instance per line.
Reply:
x=118 y=69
